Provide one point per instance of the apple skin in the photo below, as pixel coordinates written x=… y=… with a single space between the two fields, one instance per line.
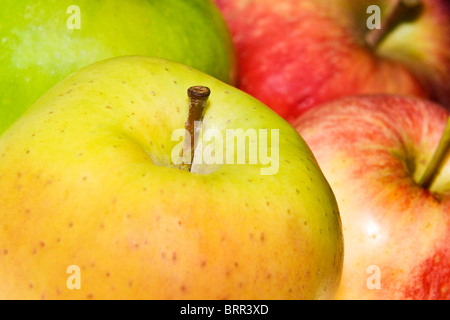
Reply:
x=86 y=179
x=37 y=49
x=372 y=149
x=295 y=54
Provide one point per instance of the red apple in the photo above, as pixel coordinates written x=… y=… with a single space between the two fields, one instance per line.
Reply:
x=295 y=54
x=374 y=151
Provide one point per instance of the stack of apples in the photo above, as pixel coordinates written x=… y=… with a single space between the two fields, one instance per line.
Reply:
x=99 y=199
x=94 y=202
x=367 y=85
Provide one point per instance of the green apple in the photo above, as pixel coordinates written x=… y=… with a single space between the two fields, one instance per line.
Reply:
x=89 y=185
x=41 y=42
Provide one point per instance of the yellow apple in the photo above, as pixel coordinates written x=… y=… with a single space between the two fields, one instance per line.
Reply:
x=93 y=205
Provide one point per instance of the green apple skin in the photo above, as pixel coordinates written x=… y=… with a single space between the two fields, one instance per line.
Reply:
x=86 y=179
x=38 y=49
x=373 y=150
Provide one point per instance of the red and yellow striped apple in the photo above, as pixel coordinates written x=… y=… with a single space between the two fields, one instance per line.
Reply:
x=295 y=54
x=376 y=151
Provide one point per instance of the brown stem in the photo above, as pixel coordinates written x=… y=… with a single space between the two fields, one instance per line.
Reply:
x=198 y=96
x=398 y=12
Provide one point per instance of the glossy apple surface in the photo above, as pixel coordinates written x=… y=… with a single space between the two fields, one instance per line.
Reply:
x=87 y=179
x=295 y=54
x=373 y=151
x=40 y=44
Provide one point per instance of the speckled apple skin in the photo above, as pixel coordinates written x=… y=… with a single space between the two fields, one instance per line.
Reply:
x=87 y=179
x=38 y=49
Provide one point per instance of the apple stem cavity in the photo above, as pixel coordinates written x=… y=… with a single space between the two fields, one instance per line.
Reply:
x=401 y=10
x=437 y=159
x=198 y=96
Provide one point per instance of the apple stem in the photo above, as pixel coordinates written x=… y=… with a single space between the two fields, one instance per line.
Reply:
x=437 y=160
x=399 y=10
x=198 y=96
